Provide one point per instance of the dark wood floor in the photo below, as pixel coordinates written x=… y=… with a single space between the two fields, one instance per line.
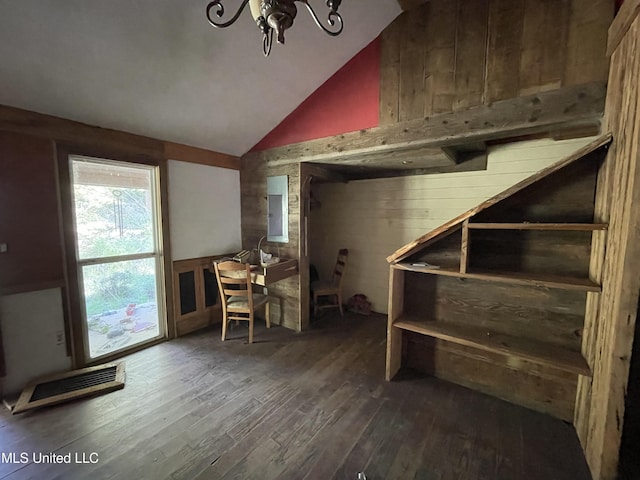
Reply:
x=291 y=406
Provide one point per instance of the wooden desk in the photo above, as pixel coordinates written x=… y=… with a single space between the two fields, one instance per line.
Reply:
x=195 y=291
x=273 y=273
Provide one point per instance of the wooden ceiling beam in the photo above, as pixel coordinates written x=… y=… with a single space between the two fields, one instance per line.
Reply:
x=579 y=105
x=76 y=134
x=353 y=173
x=426 y=157
x=462 y=153
x=187 y=153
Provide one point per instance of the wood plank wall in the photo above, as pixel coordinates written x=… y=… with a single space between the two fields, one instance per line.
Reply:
x=29 y=215
x=285 y=294
x=451 y=55
x=610 y=324
x=384 y=214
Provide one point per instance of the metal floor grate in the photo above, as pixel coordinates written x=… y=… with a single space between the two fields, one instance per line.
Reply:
x=63 y=387
x=71 y=384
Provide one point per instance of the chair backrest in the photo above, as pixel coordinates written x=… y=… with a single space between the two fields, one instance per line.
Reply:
x=234 y=280
x=341 y=265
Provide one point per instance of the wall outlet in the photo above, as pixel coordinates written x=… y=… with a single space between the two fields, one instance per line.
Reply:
x=3 y=248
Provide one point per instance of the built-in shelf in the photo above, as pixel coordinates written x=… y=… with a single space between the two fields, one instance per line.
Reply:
x=528 y=349
x=534 y=279
x=508 y=277
x=539 y=226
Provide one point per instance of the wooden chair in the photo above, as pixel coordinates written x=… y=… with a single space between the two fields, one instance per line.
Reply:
x=238 y=300
x=333 y=288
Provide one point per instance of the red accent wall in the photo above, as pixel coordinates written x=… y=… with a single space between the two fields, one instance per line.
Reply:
x=348 y=101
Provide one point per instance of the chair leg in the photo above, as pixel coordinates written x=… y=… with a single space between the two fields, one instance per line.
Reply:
x=315 y=305
x=251 y=328
x=266 y=314
x=224 y=327
x=339 y=298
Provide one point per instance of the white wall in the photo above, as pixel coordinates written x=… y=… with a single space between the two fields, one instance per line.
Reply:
x=33 y=334
x=204 y=210
x=373 y=218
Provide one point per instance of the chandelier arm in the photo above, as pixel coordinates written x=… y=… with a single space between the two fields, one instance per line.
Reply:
x=331 y=19
x=267 y=41
x=220 y=12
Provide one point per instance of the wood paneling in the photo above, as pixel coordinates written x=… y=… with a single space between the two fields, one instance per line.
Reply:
x=544 y=30
x=446 y=254
x=308 y=173
x=535 y=252
x=29 y=219
x=586 y=59
x=537 y=387
x=611 y=323
x=551 y=316
x=506 y=19
x=471 y=50
x=480 y=51
x=412 y=66
x=285 y=308
x=550 y=200
x=440 y=85
x=390 y=71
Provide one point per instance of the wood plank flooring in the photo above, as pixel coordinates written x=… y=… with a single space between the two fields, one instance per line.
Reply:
x=290 y=406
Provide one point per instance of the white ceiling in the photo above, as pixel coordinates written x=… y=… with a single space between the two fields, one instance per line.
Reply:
x=157 y=68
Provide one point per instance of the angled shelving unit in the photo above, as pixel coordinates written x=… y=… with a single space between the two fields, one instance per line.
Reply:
x=495 y=298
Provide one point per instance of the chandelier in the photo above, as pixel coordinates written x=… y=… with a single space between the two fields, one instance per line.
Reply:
x=276 y=15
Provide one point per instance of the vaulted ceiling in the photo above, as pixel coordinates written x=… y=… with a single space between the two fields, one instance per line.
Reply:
x=157 y=68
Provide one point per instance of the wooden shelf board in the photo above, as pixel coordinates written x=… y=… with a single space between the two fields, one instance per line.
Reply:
x=540 y=226
x=534 y=279
x=532 y=350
